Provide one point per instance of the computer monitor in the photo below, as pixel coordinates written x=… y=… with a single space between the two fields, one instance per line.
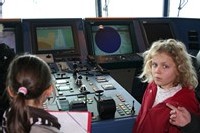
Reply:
x=155 y=30
x=58 y=37
x=11 y=34
x=110 y=36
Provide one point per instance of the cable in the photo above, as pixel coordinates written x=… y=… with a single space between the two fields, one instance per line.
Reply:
x=181 y=5
x=1 y=3
x=106 y=7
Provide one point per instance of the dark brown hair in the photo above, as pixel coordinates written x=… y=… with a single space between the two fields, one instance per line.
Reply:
x=33 y=73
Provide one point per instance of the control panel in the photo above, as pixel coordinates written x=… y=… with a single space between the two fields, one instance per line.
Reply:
x=118 y=61
x=84 y=88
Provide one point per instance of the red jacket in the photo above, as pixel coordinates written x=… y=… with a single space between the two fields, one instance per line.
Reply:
x=156 y=119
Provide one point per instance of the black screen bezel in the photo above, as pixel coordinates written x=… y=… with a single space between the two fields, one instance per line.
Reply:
x=15 y=25
x=162 y=26
x=90 y=22
x=55 y=23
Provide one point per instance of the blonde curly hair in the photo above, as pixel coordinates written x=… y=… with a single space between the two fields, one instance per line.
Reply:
x=177 y=51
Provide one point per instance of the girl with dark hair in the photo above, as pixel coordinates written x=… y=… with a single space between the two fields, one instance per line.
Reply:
x=29 y=84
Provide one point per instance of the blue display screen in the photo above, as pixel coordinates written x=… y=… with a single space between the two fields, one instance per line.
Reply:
x=111 y=40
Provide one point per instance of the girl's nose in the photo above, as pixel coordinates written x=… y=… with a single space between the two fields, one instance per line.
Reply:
x=157 y=69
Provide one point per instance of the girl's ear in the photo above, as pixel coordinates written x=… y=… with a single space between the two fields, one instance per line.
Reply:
x=49 y=91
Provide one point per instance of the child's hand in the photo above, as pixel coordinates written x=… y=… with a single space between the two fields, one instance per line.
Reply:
x=179 y=116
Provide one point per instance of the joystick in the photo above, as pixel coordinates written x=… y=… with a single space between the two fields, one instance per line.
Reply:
x=79 y=80
x=106 y=106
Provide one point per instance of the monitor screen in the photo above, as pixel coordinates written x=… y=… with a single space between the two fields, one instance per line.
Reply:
x=110 y=37
x=58 y=37
x=54 y=38
x=11 y=34
x=154 y=31
x=7 y=36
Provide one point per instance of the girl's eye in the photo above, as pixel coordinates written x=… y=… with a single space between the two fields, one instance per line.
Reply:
x=165 y=66
x=154 y=65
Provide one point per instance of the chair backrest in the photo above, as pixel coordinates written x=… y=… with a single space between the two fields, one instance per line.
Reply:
x=197 y=66
x=198 y=60
x=6 y=56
